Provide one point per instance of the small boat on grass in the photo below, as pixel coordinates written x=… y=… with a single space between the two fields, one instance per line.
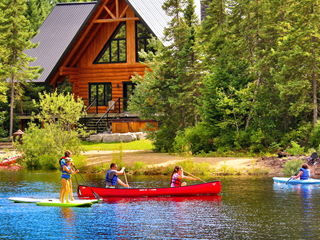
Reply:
x=210 y=188
x=10 y=160
x=294 y=181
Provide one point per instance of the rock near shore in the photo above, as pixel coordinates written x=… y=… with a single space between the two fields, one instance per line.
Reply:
x=116 y=137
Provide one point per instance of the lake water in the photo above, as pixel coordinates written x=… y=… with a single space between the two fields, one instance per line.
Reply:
x=246 y=208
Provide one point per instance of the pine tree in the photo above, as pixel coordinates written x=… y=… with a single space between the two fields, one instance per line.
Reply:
x=15 y=38
x=168 y=93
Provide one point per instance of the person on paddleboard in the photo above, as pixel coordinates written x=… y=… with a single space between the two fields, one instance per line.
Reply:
x=304 y=173
x=66 y=179
x=112 y=176
x=177 y=176
x=62 y=162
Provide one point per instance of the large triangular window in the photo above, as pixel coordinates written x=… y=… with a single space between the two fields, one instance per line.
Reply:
x=142 y=40
x=115 y=50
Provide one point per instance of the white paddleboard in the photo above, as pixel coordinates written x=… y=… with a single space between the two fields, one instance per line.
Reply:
x=53 y=200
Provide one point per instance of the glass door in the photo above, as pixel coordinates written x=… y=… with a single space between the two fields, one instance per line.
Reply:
x=100 y=91
x=128 y=88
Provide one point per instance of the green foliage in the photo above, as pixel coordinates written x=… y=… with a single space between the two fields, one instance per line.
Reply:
x=46 y=144
x=292 y=166
x=295 y=150
x=315 y=136
x=59 y=114
x=197 y=137
x=16 y=34
x=117 y=157
x=169 y=91
x=138 y=167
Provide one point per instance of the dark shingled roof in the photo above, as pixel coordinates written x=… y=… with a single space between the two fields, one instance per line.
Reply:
x=57 y=33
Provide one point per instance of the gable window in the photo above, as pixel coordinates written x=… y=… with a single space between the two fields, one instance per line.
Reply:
x=100 y=91
x=142 y=37
x=115 y=50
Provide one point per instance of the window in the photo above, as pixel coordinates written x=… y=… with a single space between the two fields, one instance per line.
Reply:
x=115 y=50
x=100 y=91
x=142 y=37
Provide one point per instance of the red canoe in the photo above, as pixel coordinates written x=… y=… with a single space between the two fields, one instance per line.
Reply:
x=211 y=188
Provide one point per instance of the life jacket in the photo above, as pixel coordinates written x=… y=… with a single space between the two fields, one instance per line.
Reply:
x=113 y=180
x=61 y=165
x=65 y=174
x=305 y=175
x=176 y=182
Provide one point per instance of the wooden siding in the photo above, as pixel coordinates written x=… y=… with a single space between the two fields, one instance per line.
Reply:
x=78 y=64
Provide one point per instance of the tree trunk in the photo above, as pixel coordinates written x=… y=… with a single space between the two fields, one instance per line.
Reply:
x=11 y=107
x=314 y=78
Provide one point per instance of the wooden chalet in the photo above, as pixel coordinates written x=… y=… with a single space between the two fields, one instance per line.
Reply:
x=94 y=45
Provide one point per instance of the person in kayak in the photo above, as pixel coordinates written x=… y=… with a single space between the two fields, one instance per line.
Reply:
x=177 y=176
x=62 y=162
x=304 y=173
x=112 y=176
x=66 y=179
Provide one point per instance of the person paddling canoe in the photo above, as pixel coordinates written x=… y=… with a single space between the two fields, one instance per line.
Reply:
x=177 y=176
x=304 y=173
x=66 y=179
x=112 y=177
x=62 y=162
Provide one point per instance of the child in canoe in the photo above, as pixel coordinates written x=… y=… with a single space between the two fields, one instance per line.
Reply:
x=177 y=176
x=304 y=173
x=66 y=180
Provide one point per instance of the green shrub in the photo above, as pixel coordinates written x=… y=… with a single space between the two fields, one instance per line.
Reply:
x=291 y=167
x=315 y=136
x=198 y=138
x=138 y=167
x=43 y=147
x=295 y=150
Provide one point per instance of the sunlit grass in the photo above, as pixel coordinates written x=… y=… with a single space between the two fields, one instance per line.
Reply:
x=135 y=145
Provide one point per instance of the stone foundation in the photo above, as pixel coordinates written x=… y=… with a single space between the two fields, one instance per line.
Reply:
x=116 y=137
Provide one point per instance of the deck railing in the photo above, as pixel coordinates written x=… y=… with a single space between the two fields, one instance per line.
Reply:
x=107 y=114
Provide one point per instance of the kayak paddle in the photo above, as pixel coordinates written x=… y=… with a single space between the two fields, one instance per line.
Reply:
x=95 y=194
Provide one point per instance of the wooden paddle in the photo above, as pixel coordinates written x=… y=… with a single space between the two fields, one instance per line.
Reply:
x=125 y=177
x=194 y=176
x=94 y=193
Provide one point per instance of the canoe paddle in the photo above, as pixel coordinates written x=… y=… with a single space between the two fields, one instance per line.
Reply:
x=193 y=176
x=312 y=157
x=95 y=194
x=125 y=176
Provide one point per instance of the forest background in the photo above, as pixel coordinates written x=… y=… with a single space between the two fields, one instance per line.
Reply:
x=244 y=79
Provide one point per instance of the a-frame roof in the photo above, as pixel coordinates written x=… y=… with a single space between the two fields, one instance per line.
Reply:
x=63 y=25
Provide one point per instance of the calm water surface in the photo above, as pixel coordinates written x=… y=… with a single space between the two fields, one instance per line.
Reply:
x=247 y=208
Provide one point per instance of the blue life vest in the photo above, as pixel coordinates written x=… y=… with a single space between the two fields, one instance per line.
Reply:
x=305 y=175
x=113 y=180
x=65 y=174
x=62 y=162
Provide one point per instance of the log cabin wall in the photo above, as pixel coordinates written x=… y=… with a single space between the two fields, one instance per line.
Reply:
x=114 y=73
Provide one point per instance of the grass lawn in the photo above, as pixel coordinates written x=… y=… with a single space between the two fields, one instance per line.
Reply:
x=135 y=145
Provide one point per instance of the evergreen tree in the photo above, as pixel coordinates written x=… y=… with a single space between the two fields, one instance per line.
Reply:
x=168 y=92
x=15 y=38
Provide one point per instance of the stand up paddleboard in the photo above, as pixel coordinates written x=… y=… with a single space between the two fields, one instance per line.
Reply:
x=57 y=203
x=51 y=201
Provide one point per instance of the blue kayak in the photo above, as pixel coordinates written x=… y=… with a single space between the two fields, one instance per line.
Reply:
x=294 y=181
